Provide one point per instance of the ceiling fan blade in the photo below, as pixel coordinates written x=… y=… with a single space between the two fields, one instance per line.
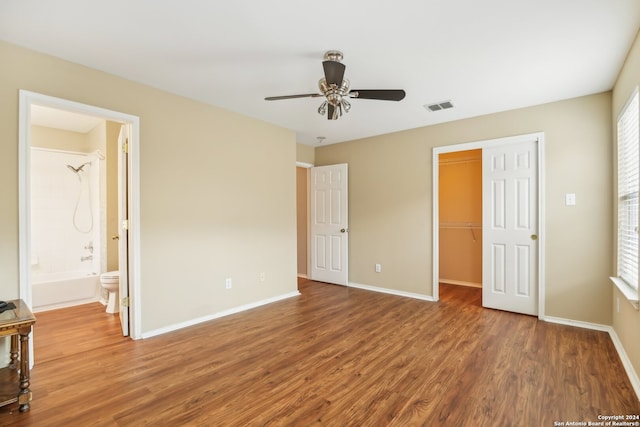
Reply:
x=381 y=94
x=333 y=72
x=306 y=95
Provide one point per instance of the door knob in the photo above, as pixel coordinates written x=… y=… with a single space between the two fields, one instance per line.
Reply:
x=534 y=237
x=115 y=237
x=343 y=230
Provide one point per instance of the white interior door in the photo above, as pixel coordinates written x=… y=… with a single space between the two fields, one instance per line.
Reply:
x=123 y=246
x=329 y=224
x=510 y=227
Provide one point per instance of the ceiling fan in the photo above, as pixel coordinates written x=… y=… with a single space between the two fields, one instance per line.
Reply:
x=335 y=88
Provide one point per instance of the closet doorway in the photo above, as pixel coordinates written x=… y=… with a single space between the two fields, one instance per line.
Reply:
x=460 y=200
x=511 y=229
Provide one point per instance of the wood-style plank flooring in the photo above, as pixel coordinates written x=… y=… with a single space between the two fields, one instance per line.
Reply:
x=334 y=356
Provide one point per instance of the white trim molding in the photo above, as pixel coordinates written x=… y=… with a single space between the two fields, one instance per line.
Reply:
x=391 y=292
x=626 y=362
x=192 y=322
x=629 y=293
x=461 y=283
x=577 y=323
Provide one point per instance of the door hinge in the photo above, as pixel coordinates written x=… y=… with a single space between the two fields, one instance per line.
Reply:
x=125 y=302
x=125 y=146
x=125 y=224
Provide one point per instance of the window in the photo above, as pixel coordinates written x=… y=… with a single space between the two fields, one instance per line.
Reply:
x=628 y=188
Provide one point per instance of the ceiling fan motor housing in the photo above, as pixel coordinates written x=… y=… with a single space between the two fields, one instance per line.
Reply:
x=333 y=55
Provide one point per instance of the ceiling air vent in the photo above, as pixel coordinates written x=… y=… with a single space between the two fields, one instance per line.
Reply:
x=439 y=106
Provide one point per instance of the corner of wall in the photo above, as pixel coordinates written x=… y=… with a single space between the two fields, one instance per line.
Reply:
x=305 y=154
x=626 y=319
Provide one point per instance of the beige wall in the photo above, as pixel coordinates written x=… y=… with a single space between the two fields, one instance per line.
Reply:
x=57 y=139
x=626 y=322
x=390 y=181
x=97 y=137
x=302 y=220
x=217 y=191
x=305 y=154
x=460 y=216
x=111 y=192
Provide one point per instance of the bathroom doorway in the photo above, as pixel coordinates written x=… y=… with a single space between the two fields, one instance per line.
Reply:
x=69 y=159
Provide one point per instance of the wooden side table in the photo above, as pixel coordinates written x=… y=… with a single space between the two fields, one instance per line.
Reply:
x=14 y=379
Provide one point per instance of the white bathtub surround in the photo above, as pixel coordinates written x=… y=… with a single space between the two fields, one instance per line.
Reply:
x=65 y=289
x=65 y=228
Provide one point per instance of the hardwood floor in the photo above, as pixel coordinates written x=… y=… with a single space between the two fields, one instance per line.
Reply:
x=334 y=356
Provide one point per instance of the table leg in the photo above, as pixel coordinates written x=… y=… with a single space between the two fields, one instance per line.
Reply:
x=13 y=364
x=24 y=397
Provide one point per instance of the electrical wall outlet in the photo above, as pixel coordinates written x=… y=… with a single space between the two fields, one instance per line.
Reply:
x=262 y=277
x=378 y=268
x=228 y=283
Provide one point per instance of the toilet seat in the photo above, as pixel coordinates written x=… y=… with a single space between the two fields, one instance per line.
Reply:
x=110 y=277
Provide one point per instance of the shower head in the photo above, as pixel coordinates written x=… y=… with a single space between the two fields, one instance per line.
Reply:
x=79 y=168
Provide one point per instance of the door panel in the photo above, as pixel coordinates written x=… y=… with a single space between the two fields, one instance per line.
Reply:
x=498 y=261
x=329 y=227
x=510 y=227
x=123 y=241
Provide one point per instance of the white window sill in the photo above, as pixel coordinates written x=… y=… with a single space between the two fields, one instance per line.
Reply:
x=630 y=293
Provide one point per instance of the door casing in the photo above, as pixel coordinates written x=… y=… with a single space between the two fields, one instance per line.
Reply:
x=539 y=138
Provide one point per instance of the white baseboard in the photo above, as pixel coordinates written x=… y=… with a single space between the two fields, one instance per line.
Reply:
x=626 y=362
x=461 y=283
x=223 y=313
x=392 y=292
x=577 y=323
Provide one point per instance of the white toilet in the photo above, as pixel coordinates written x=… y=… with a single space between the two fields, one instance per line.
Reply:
x=110 y=281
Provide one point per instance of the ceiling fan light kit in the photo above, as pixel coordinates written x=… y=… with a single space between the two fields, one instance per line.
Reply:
x=335 y=89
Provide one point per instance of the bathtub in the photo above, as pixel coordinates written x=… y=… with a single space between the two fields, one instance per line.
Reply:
x=66 y=289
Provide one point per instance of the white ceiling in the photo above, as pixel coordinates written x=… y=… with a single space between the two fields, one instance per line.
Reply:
x=485 y=56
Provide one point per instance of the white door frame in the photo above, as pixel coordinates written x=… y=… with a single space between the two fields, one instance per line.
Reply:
x=24 y=142
x=539 y=136
x=308 y=166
